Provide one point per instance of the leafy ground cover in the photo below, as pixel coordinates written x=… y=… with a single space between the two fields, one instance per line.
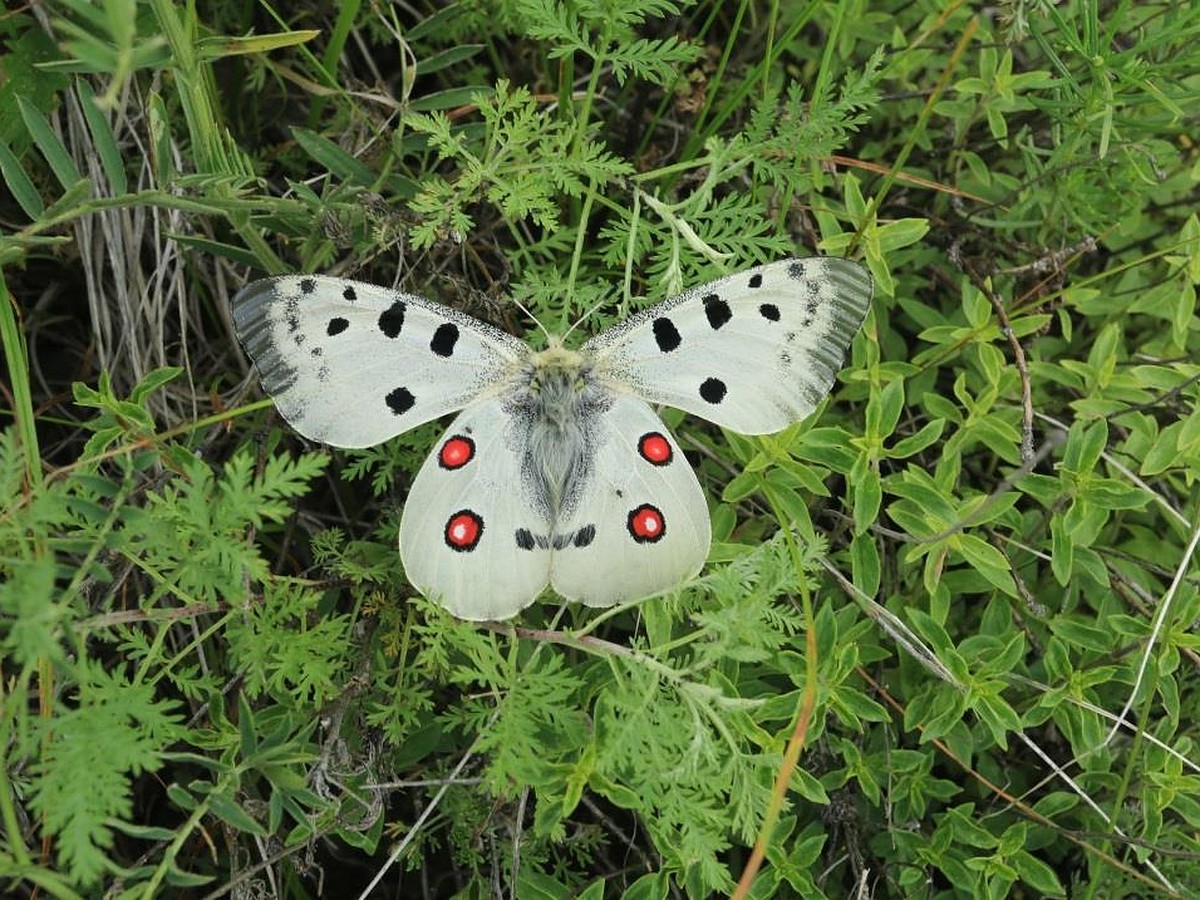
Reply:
x=944 y=645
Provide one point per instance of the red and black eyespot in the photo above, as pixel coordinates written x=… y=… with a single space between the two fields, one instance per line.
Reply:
x=456 y=452
x=655 y=449
x=463 y=531
x=646 y=524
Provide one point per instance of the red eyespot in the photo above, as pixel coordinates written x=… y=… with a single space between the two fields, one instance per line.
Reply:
x=655 y=448
x=463 y=530
x=646 y=524
x=456 y=452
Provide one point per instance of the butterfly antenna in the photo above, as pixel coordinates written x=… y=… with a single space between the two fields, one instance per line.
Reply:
x=525 y=309
x=591 y=309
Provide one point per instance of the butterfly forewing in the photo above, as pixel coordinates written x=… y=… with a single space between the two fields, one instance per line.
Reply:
x=752 y=352
x=352 y=364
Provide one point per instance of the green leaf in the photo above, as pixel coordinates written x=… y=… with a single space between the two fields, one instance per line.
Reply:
x=532 y=885
x=448 y=57
x=1037 y=874
x=451 y=98
x=654 y=886
x=103 y=138
x=987 y=561
x=229 y=811
x=19 y=184
x=53 y=149
x=915 y=443
x=868 y=495
x=333 y=158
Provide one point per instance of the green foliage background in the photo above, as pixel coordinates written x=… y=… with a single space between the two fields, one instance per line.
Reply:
x=215 y=679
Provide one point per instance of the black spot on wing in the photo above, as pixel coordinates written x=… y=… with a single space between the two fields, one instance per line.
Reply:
x=349 y=293
x=336 y=326
x=308 y=285
x=769 y=311
x=666 y=335
x=400 y=400
x=525 y=539
x=444 y=339
x=756 y=280
x=796 y=270
x=391 y=320
x=713 y=390
x=717 y=311
x=584 y=536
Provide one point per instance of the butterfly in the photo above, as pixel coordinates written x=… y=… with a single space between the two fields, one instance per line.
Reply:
x=556 y=472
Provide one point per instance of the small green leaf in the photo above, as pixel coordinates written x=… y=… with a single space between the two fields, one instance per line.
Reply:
x=1037 y=874
x=333 y=158
x=447 y=57
x=53 y=149
x=915 y=443
x=19 y=184
x=229 y=811
x=103 y=138
x=451 y=98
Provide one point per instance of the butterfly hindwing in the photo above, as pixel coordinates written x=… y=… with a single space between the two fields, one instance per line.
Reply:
x=352 y=364
x=468 y=532
x=640 y=524
x=752 y=352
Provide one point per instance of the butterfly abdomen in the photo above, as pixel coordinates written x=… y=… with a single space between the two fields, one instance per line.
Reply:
x=557 y=406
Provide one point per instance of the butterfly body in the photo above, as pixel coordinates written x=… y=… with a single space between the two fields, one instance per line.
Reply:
x=557 y=399
x=557 y=472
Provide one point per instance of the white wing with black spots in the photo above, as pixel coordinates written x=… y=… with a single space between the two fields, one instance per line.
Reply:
x=752 y=352
x=352 y=364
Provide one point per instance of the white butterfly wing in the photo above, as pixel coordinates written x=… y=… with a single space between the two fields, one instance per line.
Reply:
x=467 y=532
x=352 y=364
x=640 y=524
x=752 y=352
